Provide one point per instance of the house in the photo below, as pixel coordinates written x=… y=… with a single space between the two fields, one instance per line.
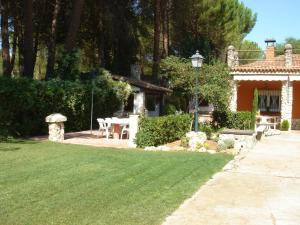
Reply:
x=146 y=97
x=277 y=79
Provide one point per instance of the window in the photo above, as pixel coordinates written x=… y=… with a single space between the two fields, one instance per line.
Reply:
x=269 y=100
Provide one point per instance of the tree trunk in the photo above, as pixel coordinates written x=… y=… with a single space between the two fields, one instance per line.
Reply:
x=20 y=43
x=165 y=27
x=52 y=43
x=156 y=47
x=5 y=39
x=28 y=39
x=14 y=48
x=74 y=25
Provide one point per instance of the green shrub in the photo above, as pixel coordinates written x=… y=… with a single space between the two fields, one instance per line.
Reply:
x=232 y=120
x=285 y=125
x=184 y=142
x=154 y=131
x=169 y=109
x=229 y=143
x=254 y=109
x=25 y=104
x=207 y=129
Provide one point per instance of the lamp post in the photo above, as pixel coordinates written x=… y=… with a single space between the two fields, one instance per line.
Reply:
x=93 y=75
x=197 y=61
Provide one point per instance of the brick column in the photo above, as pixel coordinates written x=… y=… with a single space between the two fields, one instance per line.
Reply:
x=233 y=100
x=287 y=101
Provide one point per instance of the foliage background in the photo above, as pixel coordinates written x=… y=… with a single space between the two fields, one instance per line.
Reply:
x=215 y=82
x=25 y=103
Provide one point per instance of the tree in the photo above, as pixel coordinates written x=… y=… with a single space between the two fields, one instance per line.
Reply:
x=209 y=27
x=293 y=41
x=5 y=39
x=156 y=42
x=52 y=43
x=249 y=52
x=73 y=25
x=28 y=39
x=254 y=109
x=215 y=81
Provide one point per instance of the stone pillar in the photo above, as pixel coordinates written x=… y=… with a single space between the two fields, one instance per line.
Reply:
x=287 y=101
x=233 y=100
x=139 y=103
x=232 y=57
x=133 y=129
x=288 y=53
x=56 y=127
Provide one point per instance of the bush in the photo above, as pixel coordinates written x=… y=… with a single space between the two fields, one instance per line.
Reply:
x=25 y=104
x=169 y=109
x=254 y=109
x=232 y=120
x=184 y=142
x=285 y=125
x=226 y=144
x=154 y=131
x=229 y=143
x=207 y=129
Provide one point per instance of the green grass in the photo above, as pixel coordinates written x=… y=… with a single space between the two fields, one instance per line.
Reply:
x=47 y=183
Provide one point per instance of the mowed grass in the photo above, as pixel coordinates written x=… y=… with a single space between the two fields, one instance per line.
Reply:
x=47 y=183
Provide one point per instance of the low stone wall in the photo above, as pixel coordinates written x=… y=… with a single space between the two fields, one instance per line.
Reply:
x=243 y=139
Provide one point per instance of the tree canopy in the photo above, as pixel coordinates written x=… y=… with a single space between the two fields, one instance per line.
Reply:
x=215 y=81
x=61 y=38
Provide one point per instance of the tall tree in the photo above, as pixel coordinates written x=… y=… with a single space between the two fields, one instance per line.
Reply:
x=165 y=10
x=74 y=25
x=209 y=27
x=28 y=39
x=5 y=38
x=52 y=41
x=156 y=42
x=249 y=52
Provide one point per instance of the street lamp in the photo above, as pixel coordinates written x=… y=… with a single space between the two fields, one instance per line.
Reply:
x=197 y=61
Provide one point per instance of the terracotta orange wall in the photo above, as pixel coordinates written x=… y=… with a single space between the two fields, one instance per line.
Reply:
x=296 y=100
x=246 y=90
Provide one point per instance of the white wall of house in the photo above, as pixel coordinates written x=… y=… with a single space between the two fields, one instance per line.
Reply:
x=287 y=101
x=139 y=103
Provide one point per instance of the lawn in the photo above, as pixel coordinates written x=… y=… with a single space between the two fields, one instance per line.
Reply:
x=48 y=183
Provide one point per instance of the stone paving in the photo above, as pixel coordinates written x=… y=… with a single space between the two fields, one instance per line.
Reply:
x=260 y=187
x=86 y=138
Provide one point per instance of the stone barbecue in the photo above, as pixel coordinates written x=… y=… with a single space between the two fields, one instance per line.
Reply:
x=56 y=127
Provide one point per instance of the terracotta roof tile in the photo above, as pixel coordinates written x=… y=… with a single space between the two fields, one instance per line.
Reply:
x=270 y=66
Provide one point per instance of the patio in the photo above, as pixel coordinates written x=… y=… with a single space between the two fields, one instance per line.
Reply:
x=86 y=138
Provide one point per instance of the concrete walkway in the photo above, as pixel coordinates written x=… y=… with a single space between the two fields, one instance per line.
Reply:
x=261 y=187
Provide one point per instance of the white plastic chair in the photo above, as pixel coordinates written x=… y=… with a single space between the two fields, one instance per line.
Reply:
x=103 y=127
x=125 y=130
x=108 y=122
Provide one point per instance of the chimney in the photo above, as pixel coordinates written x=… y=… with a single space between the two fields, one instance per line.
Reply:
x=288 y=53
x=270 y=51
x=232 y=57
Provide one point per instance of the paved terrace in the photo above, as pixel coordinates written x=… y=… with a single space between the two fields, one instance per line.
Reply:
x=261 y=187
x=86 y=138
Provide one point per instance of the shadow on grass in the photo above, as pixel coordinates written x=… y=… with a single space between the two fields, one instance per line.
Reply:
x=17 y=141
x=9 y=149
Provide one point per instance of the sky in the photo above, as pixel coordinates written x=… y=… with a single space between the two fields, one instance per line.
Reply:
x=278 y=19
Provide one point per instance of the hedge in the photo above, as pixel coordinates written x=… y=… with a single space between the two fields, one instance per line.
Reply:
x=154 y=131
x=232 y=120
x=25 y=103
